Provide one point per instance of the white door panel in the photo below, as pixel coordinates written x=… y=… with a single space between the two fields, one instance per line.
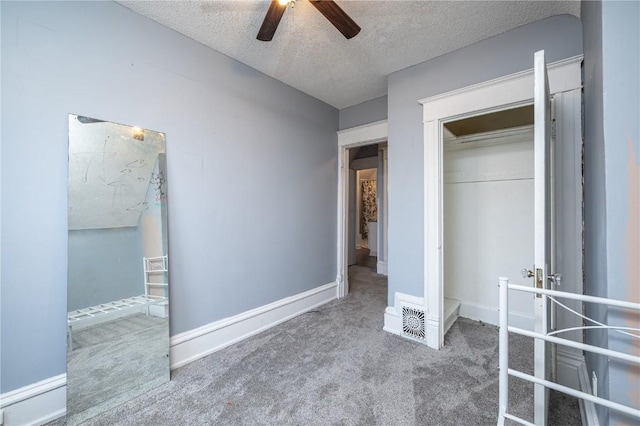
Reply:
x=542 y=228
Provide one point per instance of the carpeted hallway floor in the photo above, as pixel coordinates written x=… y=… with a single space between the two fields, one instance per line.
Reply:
x=335 y=366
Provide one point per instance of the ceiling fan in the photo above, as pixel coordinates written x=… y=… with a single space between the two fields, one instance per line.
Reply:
x=328 y=8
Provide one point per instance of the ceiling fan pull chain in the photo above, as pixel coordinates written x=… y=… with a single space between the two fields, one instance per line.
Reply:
x=293 y=11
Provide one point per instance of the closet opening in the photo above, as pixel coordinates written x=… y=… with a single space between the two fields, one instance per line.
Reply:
x=487 y=212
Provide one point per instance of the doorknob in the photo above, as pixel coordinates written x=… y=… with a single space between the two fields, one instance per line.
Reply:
x=526 y=273
x=556 y=279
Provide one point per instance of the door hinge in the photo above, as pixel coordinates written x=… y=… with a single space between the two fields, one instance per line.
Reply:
x=552 y=113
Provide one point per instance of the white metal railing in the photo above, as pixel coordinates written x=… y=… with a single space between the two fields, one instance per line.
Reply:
x=505 y=329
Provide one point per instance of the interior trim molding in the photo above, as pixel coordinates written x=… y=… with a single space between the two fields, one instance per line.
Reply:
x=502 y=93
x=35 y=404
x=364 y=135
x=489 y=315
x=587 y=408
x=564 y=75
x=392 y=321
x=202 y=341
x=382 y=267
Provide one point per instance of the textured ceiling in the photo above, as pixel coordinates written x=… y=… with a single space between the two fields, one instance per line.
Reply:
x=308 y=53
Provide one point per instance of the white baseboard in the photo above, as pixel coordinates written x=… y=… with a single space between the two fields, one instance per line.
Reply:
x=489 y=314
x=393 y=317
x=381 y=267
x=392 y=321
x=35 y=404
x=433 y=337
x=44 y=401
x=160 y=310
x=587 y=408
x=451 y=313
x=202 y=341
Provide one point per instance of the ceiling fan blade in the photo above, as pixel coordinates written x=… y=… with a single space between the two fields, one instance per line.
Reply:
x=88 y=120
x=337 y=17
x=271 y=21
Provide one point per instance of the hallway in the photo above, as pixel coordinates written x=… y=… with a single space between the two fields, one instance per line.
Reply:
x=363 y=259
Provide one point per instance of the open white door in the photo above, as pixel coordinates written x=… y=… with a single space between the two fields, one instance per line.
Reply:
x=542 y=228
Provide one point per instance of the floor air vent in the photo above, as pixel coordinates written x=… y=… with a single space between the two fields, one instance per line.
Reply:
x=413 y=322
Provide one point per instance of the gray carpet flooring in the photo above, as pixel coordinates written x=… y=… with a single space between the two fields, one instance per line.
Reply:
x=336 y=366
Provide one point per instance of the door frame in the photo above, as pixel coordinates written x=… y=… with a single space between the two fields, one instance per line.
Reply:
x=499 y=94
x=367 y=134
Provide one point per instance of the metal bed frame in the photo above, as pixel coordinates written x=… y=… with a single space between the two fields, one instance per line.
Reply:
x=120 y=308
x=551 y=337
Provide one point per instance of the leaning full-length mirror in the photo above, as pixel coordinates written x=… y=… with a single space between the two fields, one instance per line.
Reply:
x=118 y=272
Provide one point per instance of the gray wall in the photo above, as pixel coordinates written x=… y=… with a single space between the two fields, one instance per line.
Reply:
x=364 y=113
x=612 y=184
x=507 y=53
x=621 y=85
x=251 y=170
x=595 y=243
x=104 y=265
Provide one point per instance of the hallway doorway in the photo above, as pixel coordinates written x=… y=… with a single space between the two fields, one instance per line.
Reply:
x=362 y=201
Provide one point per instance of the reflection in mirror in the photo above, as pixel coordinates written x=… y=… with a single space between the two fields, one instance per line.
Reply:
x=118 y=279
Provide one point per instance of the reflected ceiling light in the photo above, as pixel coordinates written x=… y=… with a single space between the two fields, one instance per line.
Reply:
x=138 y=133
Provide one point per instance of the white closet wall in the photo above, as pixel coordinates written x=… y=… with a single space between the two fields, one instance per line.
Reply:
x=488 y=223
